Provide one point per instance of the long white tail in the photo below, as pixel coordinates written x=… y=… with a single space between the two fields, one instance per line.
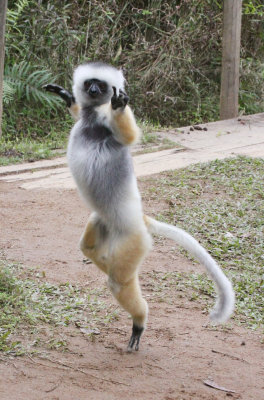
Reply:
x=226 y=298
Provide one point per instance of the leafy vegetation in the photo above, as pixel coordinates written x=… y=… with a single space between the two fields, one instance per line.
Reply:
x=171 y=53
x=25 y=83
x=29 y=306
x=221 y=204
x=29 y=149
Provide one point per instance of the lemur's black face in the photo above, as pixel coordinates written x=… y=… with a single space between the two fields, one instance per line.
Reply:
x=97 y=91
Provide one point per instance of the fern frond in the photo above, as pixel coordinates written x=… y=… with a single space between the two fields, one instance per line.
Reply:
x=8 y=93
x=27 y=82
x=12 y=16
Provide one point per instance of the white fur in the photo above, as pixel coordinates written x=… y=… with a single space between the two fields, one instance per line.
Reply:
x=104 y=115
x=130 y=207
x=111 y=75
x=226 y=297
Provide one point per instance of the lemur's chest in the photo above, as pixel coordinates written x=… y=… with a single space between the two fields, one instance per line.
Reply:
x=100 y=165
x=95 y=151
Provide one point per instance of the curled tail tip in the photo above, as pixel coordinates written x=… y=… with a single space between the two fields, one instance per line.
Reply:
x=224 y=308
x=226 y=301
x=220 y=317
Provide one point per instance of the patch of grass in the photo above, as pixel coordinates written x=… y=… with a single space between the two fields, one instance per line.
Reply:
x=157 y=143
x=27 y=149
x=153 y=139
x=36 y=135
x=222 y=205
x=30 y=306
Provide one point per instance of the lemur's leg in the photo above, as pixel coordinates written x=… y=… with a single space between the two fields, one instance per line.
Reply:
x=124 y=284
x=130 y=298
x=91 y=243
x=124 y=124
x=69 y=99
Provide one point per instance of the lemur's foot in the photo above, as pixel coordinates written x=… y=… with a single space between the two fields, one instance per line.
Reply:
x=135 y=338
x=60 y=91
x=119 y=101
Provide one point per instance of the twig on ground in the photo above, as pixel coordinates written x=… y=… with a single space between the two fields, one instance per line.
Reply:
x=214 y=385
x=230 y=356
x=61 y=365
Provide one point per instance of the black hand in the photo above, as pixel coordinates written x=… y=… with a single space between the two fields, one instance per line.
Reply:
x=60 y=91
x=119 y=101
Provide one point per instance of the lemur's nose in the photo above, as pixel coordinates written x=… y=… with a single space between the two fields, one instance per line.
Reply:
x=94 y=90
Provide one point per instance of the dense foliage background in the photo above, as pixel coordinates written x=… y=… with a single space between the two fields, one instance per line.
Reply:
x=171 y=52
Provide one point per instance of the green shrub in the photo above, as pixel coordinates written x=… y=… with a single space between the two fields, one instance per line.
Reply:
x=171 y=52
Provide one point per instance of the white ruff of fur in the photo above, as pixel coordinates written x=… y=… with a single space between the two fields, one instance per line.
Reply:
x=111 y=75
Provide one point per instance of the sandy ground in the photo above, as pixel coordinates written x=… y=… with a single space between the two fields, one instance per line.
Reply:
x=179 y=350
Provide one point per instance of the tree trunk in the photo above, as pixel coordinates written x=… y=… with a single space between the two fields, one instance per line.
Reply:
x=230 y=59
x=3 y=7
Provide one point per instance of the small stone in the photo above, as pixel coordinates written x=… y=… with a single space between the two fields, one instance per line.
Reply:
x=198 y=127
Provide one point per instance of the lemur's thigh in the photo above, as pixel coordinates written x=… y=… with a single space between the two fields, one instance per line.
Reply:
x=127 y=255
x=92 y=240
x=88 y=237
x=123 y=275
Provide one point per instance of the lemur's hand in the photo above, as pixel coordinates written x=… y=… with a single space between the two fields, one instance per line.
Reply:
x=119 y=101
x=63 y=93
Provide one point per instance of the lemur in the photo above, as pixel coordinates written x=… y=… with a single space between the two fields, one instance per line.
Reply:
x=118 y=236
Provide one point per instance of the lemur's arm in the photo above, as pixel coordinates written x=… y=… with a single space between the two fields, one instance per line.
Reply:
x=124 y=124
x=69 y=99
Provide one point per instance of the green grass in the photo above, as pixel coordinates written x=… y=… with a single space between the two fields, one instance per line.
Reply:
x=29 y=150
x=154 y=138
x=29 y=306
x=31 y=147
x=222 y=205
x=152 y=142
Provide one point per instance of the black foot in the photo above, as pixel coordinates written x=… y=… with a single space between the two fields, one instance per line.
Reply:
x=63 y=93
x=119 y=101
x=135 y=338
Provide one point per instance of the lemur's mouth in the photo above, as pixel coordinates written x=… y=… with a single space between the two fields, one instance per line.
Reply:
x=93 y=94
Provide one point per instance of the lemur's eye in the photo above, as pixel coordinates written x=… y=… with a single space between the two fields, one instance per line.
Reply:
x=102 y=86
x=87 y=84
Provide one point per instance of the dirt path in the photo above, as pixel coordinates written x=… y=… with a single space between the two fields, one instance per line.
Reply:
x=221 y=139
x=178 y=351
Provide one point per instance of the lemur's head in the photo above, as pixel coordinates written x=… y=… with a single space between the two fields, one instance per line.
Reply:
x=93 y=83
